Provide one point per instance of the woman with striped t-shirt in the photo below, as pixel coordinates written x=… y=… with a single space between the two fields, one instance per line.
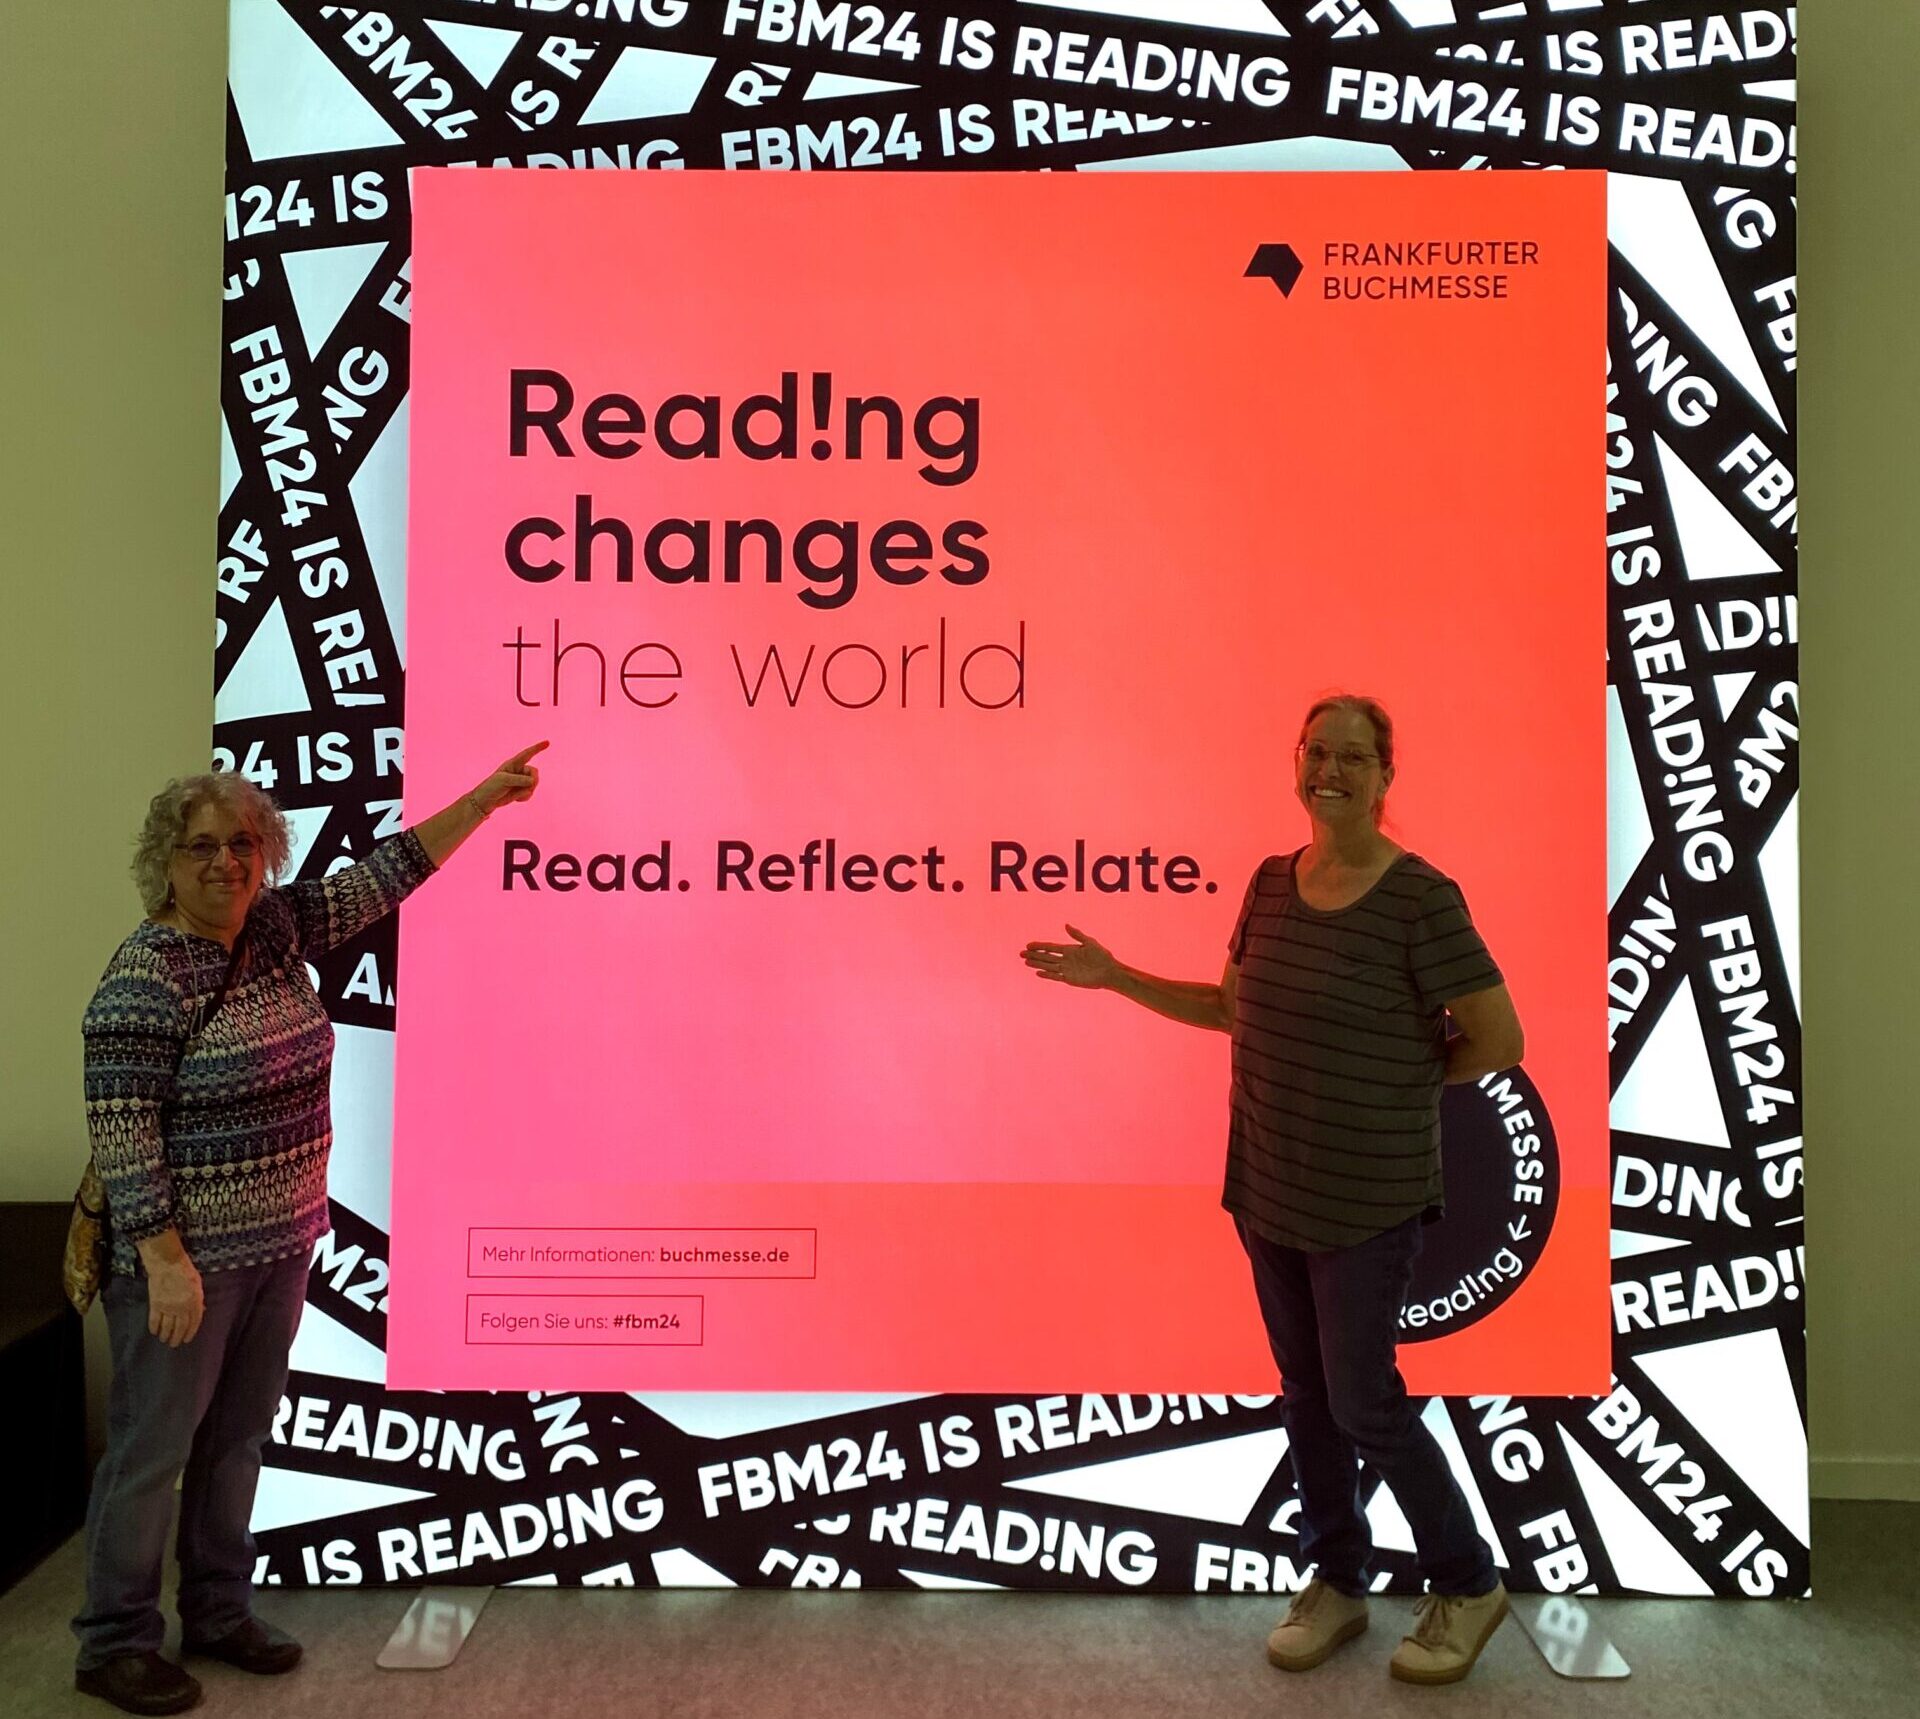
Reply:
x=1344 y=966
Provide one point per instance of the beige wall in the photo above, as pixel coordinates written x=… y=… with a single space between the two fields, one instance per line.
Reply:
x=110 y=134
x=1860 y=794
x=111 y=126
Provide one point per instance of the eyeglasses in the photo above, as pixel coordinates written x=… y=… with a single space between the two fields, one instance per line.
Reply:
x=1351 y=757
x=204 y=850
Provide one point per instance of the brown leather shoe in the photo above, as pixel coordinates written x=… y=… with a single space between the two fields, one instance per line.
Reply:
x=1448 y=1636
x=1320 y=1619
x=255 y=1646
x=140 y=1683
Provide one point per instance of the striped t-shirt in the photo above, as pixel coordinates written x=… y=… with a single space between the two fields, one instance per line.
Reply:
x=1339 y=1052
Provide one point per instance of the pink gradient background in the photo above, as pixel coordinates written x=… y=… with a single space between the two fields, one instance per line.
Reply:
x=1206 y=504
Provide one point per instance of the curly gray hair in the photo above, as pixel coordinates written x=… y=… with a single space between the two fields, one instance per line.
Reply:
x=175 y=804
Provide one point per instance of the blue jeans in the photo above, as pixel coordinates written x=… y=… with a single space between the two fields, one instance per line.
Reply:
x=1331 y=1320
x=205 y=1408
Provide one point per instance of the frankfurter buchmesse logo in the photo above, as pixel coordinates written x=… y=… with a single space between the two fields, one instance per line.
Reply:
x=1276 y=263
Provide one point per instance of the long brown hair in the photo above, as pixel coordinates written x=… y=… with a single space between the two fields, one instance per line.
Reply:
x=1376 y=713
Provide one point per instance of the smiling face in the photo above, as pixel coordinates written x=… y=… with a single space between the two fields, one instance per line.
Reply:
x=213 y=886
x=1338 y=774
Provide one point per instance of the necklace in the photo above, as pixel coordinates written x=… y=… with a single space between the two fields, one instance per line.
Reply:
x=195 y=1023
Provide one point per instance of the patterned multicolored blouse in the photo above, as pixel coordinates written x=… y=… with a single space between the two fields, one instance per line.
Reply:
x=224 y=1133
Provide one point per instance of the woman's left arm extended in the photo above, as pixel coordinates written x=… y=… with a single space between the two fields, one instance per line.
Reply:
x=1490 y=1036
x=328 y=910
x=446 y=830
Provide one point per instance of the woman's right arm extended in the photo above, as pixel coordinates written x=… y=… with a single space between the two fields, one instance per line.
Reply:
x=1091 y=966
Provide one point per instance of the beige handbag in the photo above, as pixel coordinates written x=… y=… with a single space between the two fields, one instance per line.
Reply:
x=86 y=1258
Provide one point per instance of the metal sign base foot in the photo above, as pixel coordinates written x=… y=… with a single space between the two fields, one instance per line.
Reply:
x=434 y=1630
x=1569 y=1636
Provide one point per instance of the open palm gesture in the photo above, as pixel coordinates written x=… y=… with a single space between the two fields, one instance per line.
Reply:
x=1082 y=962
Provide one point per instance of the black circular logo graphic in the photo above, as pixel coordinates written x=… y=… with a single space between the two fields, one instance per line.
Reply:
x=1502 y=1170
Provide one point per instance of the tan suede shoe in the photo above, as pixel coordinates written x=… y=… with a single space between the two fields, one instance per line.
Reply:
x=1448 y=1633
x=1319 y=1620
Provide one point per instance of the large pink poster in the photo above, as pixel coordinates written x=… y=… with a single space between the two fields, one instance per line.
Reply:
x=901 y=568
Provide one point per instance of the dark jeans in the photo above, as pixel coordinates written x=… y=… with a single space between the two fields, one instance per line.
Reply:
x=1331 y=1319
x=205 y=1408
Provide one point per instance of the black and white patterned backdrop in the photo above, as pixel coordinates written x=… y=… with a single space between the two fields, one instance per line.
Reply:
x=1690 y=1477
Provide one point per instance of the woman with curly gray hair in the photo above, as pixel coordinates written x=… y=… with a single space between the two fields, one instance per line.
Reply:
x=207 y=1058
x=173 y=808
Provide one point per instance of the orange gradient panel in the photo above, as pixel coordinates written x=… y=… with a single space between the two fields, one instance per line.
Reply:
x=1143 y=509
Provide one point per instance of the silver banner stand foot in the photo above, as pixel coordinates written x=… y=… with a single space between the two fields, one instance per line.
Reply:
x=1568 y=1635
x=434 y=1630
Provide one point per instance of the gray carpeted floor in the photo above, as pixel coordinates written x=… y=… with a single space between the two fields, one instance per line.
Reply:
x=1852 y=1650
